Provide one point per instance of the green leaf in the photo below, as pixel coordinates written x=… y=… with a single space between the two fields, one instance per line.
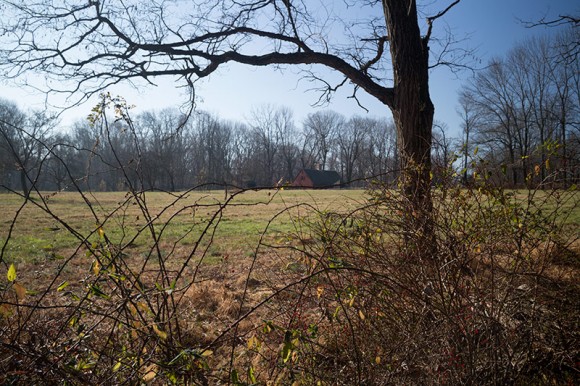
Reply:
x=251 y=375
x=11 y=275
x=96 y=290
x=235 y=377
x=288 y=346
x=62 y=285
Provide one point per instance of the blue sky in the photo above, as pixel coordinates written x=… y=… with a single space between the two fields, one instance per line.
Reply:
x=491 y=27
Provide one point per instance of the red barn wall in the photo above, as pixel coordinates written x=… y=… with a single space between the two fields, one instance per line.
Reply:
x=302 y=180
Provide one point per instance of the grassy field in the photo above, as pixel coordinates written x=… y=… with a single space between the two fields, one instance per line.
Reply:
x=53 y=226
x=41 y=234
x=50 y=227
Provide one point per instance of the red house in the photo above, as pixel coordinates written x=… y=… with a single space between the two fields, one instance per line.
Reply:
x=311 y=178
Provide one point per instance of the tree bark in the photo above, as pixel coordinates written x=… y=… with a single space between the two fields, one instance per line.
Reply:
x=412 y=110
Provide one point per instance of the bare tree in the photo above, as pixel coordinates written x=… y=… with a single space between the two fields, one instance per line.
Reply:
x=21 y=138
x=212 y=163
x=350 y=142
x=469 y=121
x=165 y=143
x=321 y=129
x=289 y=151
x=570 y=49
x=266 y=125
x=95 y=44
x=442 y=146
x=522 y=112
x=11 y=119
x=380 y=160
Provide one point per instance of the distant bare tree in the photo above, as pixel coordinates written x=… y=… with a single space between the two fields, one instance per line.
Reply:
x=350 y=142
x=166 y=146
x=211 y=150
x=469 y=121
x=442 y=147
x=289 y=151
x=321 y=129
x=266 y=125
x=21 y=140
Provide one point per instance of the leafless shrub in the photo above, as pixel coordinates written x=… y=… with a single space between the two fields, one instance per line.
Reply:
x=486 y=304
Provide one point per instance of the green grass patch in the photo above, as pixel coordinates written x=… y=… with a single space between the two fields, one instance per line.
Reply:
x=55 y=224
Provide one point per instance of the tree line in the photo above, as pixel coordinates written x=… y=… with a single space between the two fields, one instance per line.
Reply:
x=169 y=150
x=520 y=115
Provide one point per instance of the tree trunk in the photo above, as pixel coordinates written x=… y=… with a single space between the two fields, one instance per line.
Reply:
x=23 y=184
x=412 y=111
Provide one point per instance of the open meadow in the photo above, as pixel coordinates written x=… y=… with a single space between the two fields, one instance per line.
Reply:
x=248 y=287
x=52 y=226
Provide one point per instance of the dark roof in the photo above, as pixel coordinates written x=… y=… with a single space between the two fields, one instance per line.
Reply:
x=322 y=178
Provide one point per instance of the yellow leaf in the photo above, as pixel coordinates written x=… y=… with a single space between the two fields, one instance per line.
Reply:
x=96 y=267
x=11 y=275
x=207 y=353
x=101 y=232
x=160 y=333
x=267 y=328
x=143 y=307
x=117 y=367
x=351 y=302
x=294 y=359
x=361 y=315
x=150 y=373
x=378 y=360
x=253 y=343
x=548 y=164
x=319 y=291
x=20 y=291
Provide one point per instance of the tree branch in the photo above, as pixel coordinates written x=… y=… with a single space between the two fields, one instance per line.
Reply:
x=431 y=19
